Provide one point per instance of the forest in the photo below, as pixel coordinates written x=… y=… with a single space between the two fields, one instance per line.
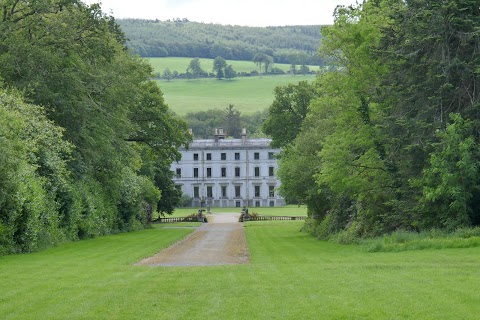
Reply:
x=183 y=38
x=86 y=140
x=391 y=141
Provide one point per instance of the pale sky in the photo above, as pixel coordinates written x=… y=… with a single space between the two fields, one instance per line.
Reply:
x=235 y=12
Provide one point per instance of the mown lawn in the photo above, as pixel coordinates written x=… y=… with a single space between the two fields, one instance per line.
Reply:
x=291 y=276
x=247 y=94
x=290 y=210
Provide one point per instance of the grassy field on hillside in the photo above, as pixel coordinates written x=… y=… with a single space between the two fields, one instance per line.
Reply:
x=181 y=64
x=247 y=94
x=291 y=276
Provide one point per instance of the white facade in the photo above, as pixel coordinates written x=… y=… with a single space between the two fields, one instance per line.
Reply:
x=229 y=173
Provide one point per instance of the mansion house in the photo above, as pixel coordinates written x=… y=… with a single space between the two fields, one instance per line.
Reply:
x=223 y=172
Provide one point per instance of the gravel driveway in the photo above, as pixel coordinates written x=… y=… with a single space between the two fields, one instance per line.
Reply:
x=220 y=241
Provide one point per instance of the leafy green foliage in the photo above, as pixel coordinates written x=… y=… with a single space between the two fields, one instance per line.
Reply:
x=219 y=65
x=384 y=156
x=167 y=74
x=229 y=72
x=204 y=123
x=182 y=38
x=262 y=59
x=297 y=166
x=32 y=176
x=431 y=239
x=231 y=119
x=194 y=68
x=451 y=179
x=88 y=162
x=287 y=112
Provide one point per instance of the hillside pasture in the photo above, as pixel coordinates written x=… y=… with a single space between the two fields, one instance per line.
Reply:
x=247 y=94
x=180 y=64
x=291 y=276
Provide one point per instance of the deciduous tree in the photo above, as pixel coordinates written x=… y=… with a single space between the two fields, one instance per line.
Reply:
x=262 y=59
x=287 y=112
x=229 y=72
x=194 y=68
x=71 y=59
x=450 y=183
x=167 y=74
x=219 y=65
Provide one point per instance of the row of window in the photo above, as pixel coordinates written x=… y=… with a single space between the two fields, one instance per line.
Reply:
x=238 y=194
x=223 y=172
x=223 y=156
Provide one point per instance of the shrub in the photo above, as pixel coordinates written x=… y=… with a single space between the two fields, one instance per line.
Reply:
x=434 y=239
x=309 y=225
x=277 y=70
x=348 y=236
x=467 y=232
x=324 y=229
x=32 y=169
x=253 y=216
x=185 y=201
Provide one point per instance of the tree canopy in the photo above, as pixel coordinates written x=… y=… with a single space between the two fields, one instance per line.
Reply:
x=390 y=137
x=219 y=65
x=183 y=38
x=287 y=112
x=91 y=132
x=264 y=59
x=204 y=123
x=195 y=69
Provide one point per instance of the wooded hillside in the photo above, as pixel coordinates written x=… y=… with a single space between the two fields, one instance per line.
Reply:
x=182 y=38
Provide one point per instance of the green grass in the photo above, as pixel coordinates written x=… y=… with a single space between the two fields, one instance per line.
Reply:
x=291 y=276
x=181 y=64
x=247 y=94
x=434 y=239
x=290 y=210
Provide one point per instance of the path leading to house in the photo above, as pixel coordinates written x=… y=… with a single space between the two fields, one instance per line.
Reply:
x=220 y=241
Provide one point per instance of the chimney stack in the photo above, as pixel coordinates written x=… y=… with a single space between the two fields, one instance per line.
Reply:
x=219 y=134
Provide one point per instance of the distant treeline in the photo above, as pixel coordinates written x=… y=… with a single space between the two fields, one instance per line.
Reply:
x=203 y=123
x=183 y=38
